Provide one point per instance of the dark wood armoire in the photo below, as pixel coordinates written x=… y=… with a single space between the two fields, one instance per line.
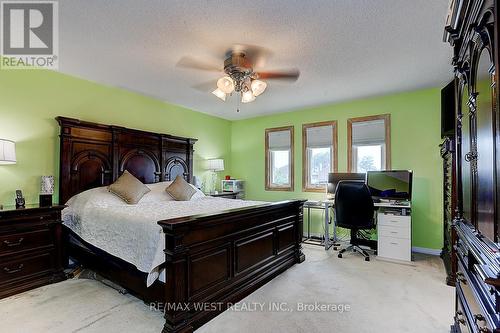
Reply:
x=449 y=207
x=472 y=30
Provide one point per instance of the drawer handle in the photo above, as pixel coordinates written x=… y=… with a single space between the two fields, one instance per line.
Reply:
x=394 y=232
x=12 y=271
x=479 y=317
x=461 y=277
x=12 y=244
x=394 y=243
x=459 y=318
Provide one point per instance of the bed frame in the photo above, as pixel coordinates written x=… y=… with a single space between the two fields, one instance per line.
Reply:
x=212 y=260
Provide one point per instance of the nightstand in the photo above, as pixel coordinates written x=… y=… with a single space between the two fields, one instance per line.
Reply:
x=226 y=195
x=30 y=248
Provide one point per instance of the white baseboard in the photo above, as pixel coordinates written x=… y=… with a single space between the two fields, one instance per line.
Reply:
x=434 y=252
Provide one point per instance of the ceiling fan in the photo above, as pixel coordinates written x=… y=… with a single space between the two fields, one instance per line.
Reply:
x=239 y=74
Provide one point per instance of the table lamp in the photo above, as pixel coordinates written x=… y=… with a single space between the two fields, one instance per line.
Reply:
x=214 y=165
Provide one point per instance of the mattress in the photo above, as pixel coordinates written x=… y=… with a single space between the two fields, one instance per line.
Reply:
x=131 y=232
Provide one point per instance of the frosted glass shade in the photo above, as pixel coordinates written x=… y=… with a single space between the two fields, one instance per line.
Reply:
x=216 y=164
x=247 y=97
x=219 y=93
x=7 y=152
x=225 y=84
x=258 y=87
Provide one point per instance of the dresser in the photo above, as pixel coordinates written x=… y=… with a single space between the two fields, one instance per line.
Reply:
x=31 y=253
x=472 y=30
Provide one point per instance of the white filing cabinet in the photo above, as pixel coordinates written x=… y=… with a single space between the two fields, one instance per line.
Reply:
x=394 y=235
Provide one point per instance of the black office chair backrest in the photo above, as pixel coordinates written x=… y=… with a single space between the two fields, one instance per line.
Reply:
x=354 y=206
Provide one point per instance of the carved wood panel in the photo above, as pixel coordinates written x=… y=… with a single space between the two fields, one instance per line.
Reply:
x=476 y=127
x=94 y=155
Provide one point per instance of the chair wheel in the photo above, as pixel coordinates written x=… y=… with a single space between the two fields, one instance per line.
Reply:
x=340 y=255
x=335 y=248
x=367 y=259
x=353 y=250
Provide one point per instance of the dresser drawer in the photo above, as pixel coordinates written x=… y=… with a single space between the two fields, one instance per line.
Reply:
x=25 y=216
x=25 y=267
x=399 y=221
x=391 y=231
x=25 y=241
x=394 y=248
x=477 y=303
x=462 y=317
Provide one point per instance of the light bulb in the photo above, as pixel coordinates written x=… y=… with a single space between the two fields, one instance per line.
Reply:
x=226 y=84
x=258 y=87
x=247 y=96
x=219 y=93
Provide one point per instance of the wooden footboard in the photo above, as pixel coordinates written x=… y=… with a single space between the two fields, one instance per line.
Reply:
x=215 y=260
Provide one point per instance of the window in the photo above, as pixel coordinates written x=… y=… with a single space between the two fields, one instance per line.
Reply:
x=319 y=155
x=369 y=143
x=279 y=159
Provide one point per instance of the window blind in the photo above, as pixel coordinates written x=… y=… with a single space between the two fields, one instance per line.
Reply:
x=319 y=136
x=368 y=132
x=280 y=140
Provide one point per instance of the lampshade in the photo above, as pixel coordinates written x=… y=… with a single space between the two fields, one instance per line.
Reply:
x=47 y=185
x=258 y=87
x=7 y=152
x=247 y=97
x=225 y=84
x=216 y=164
x=219 y=93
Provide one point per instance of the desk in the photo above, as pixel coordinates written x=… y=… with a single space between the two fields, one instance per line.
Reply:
x=326 y=206
x=393 y=237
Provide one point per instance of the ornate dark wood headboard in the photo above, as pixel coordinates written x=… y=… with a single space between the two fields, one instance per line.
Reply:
x=94 y=155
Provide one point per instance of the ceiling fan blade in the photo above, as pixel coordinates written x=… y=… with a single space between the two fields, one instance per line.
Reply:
x=206 y=86
x=188 y=62
x=290 y=75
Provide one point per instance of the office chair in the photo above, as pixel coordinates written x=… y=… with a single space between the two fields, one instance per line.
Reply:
x=354 y=210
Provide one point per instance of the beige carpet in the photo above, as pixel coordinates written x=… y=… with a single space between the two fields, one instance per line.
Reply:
x=382 y=296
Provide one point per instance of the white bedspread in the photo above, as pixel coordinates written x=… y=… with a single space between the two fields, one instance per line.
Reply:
x=131 y=232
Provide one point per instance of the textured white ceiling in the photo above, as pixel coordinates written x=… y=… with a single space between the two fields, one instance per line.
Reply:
x=345 y=49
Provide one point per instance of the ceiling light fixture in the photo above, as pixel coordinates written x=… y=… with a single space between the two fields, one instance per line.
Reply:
x=226 y=84
x=239 y=76
x=247 y=96
x=219 y=93
x=258 y=87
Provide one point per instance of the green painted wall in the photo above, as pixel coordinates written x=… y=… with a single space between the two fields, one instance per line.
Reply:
x=415 y=132
x=31 y=99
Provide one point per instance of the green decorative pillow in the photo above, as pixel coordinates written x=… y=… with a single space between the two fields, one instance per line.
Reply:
x=128 y=188
x=180 y=189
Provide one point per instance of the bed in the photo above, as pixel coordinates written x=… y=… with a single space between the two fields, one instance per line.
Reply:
x=209 y=257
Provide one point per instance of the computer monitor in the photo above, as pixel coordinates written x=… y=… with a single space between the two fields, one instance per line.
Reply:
x=336 y=177
x=391 y=185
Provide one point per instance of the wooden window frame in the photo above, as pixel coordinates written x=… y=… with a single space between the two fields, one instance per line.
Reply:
x=268 y=185
x=387 y=122
x=306 y=187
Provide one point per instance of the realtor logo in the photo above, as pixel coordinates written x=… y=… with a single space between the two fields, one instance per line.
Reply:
x=29 y=34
